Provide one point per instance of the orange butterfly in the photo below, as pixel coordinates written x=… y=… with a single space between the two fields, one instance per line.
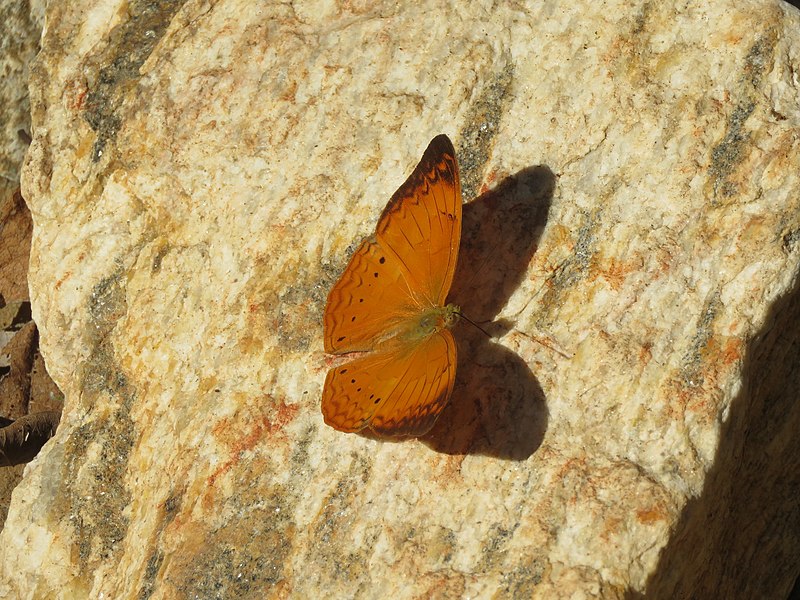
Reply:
x=389 y=302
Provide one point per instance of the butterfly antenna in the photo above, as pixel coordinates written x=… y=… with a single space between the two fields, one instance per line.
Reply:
x=473 y=323
x=541 y=343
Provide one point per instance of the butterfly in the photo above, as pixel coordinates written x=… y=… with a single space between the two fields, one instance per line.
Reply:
x=389 y=304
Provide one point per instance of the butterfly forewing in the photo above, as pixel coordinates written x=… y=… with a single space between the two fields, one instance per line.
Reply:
x=409 y=264
x=369 y=301
x=421 y=225
x=399 y=390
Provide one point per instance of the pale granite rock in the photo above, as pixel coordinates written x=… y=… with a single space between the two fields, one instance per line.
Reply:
x=198 y=175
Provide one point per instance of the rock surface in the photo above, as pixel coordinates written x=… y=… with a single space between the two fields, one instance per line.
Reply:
x=197 y=177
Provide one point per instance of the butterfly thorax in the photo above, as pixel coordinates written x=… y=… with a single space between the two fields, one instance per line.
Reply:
x=430 y=321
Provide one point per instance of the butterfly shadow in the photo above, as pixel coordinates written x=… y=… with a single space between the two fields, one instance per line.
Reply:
x=497 y=407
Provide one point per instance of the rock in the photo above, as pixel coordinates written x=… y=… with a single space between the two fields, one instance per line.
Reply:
x=198 y=176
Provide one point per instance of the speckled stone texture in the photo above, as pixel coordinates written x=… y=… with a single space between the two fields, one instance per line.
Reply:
x=198 y=176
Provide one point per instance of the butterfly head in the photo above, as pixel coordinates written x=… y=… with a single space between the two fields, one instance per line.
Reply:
x=450 y=316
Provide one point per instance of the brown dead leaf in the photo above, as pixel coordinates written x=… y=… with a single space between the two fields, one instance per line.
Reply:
x=21 y=441
x=16 y=228
x=15 y=386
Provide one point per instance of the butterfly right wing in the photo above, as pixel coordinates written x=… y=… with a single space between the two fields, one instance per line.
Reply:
x=399 y=390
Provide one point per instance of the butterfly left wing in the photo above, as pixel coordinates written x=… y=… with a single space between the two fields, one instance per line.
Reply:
x=421 y=225
x=408 y=265
x=370 y=300
x=399 y=390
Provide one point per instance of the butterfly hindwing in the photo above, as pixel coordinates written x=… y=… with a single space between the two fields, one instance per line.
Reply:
x=398 y=390
x=423 y=391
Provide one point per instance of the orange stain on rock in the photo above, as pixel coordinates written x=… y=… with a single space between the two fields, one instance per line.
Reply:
x=648 y=516
x=614 y=271
x=646 y=353
x=61 y=281
x=488 y=182
x=246 y=430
